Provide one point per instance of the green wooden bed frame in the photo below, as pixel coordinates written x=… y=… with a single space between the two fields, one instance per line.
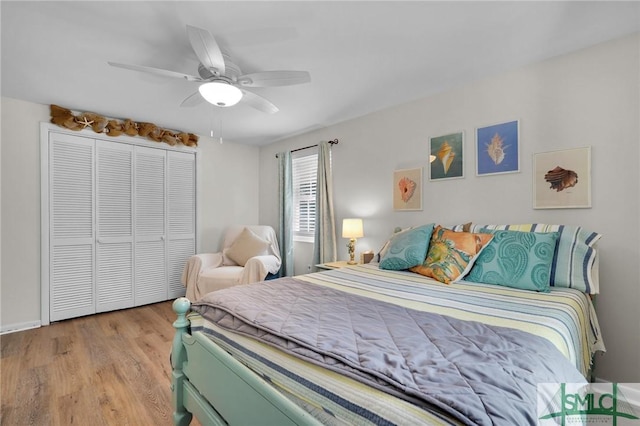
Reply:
x=209 y=383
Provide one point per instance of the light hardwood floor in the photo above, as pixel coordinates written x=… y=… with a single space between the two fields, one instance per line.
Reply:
x=106 y=369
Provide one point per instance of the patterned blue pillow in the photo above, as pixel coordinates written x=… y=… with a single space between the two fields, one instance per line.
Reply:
x=407 y=249
x=575 y=259
x=516 y=259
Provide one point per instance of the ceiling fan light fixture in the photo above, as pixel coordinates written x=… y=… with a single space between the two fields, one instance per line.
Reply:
x=220 y=93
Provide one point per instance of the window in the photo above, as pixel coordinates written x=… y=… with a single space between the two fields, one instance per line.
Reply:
x=305 y=169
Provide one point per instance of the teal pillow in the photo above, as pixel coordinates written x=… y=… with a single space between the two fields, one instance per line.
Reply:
x=516 y=259
x=575 y=259
x=407 y=249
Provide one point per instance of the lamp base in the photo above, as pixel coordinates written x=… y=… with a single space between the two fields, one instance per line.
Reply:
x=351 y=246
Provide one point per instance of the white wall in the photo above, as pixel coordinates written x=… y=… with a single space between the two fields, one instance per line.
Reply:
x=226 y=185
x=590 y=97
x=20 y=279
x=227 y=189
x=0 y=207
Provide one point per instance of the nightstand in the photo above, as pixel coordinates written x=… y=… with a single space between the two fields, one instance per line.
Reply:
x=332 y=265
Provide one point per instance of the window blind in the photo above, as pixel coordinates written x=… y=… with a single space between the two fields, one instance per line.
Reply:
x=305 y=169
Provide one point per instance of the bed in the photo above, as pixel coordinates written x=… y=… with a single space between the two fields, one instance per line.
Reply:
x=239 y=359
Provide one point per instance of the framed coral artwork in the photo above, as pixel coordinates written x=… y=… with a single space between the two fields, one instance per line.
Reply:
x=562 y=179
x=407 y=189
x=498 y=149
x=447 y=156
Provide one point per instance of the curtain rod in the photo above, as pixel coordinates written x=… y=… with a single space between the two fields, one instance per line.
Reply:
x=333 y=142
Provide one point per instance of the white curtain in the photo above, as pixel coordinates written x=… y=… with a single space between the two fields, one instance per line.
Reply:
x=324 y=247
x=285 y=204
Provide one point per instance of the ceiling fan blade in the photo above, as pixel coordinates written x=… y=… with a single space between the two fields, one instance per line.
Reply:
x=156 y=71
x=274 y=78
x=192 y=100
x=206 y=48
x=258 y=102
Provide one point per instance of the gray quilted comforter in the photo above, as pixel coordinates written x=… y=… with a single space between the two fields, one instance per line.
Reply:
x=476 y=373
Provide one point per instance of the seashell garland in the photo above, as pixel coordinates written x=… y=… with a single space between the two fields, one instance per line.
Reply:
x=446 y=155
x=407 y=187
x=64 y=117
x=561 y=179
x=496 y=149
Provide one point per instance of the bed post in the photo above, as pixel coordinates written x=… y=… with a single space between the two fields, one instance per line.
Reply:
x=181 y=417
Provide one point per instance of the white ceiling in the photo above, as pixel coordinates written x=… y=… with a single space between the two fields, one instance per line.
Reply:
x=362 y=56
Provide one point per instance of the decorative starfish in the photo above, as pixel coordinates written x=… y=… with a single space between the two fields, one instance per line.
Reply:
x=85 y=122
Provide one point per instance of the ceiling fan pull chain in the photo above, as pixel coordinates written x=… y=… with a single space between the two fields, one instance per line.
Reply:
x=212 y=118
x=220 y=130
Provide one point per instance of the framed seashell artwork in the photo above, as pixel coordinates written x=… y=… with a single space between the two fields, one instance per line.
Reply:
x=562 y=179
x=498 y=149
x=447 y=153
x=407 y=189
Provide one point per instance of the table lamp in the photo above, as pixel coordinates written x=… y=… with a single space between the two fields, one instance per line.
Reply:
x=352 y=229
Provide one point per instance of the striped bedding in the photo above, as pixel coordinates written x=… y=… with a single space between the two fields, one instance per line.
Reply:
x=564 y=316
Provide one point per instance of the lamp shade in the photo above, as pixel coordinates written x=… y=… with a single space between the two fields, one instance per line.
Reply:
x=220 y=93
x=352 y=228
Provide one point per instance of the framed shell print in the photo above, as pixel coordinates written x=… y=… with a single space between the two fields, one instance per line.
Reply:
x=562 y=179
x=498 y=149
x=447 y=153
x=407 y=189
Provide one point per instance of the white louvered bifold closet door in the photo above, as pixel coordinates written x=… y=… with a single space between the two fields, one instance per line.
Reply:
x=118 y=226
x=181 y=203
x=71 y=229
x=114 y=220
x=151 y=261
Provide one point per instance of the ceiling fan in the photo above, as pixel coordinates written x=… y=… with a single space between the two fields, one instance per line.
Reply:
x=223 y=84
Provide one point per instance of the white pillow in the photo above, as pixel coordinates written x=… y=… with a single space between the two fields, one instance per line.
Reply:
x=246 y=246
x=226 y=261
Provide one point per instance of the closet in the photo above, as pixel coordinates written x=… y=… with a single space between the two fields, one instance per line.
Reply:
x=118 y=222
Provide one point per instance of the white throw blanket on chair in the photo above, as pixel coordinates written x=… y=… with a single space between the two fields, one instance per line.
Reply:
x=207 y=272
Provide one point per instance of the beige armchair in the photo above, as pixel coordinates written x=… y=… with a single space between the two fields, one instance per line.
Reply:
x=249 y=254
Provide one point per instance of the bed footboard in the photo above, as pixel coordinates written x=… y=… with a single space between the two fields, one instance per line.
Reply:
x=181 y=416
x=209 y=383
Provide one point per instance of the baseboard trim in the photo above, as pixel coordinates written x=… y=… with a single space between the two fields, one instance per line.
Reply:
x=12 y=328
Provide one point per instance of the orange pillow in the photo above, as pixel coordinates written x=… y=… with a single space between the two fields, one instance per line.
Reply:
x=450 y=254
